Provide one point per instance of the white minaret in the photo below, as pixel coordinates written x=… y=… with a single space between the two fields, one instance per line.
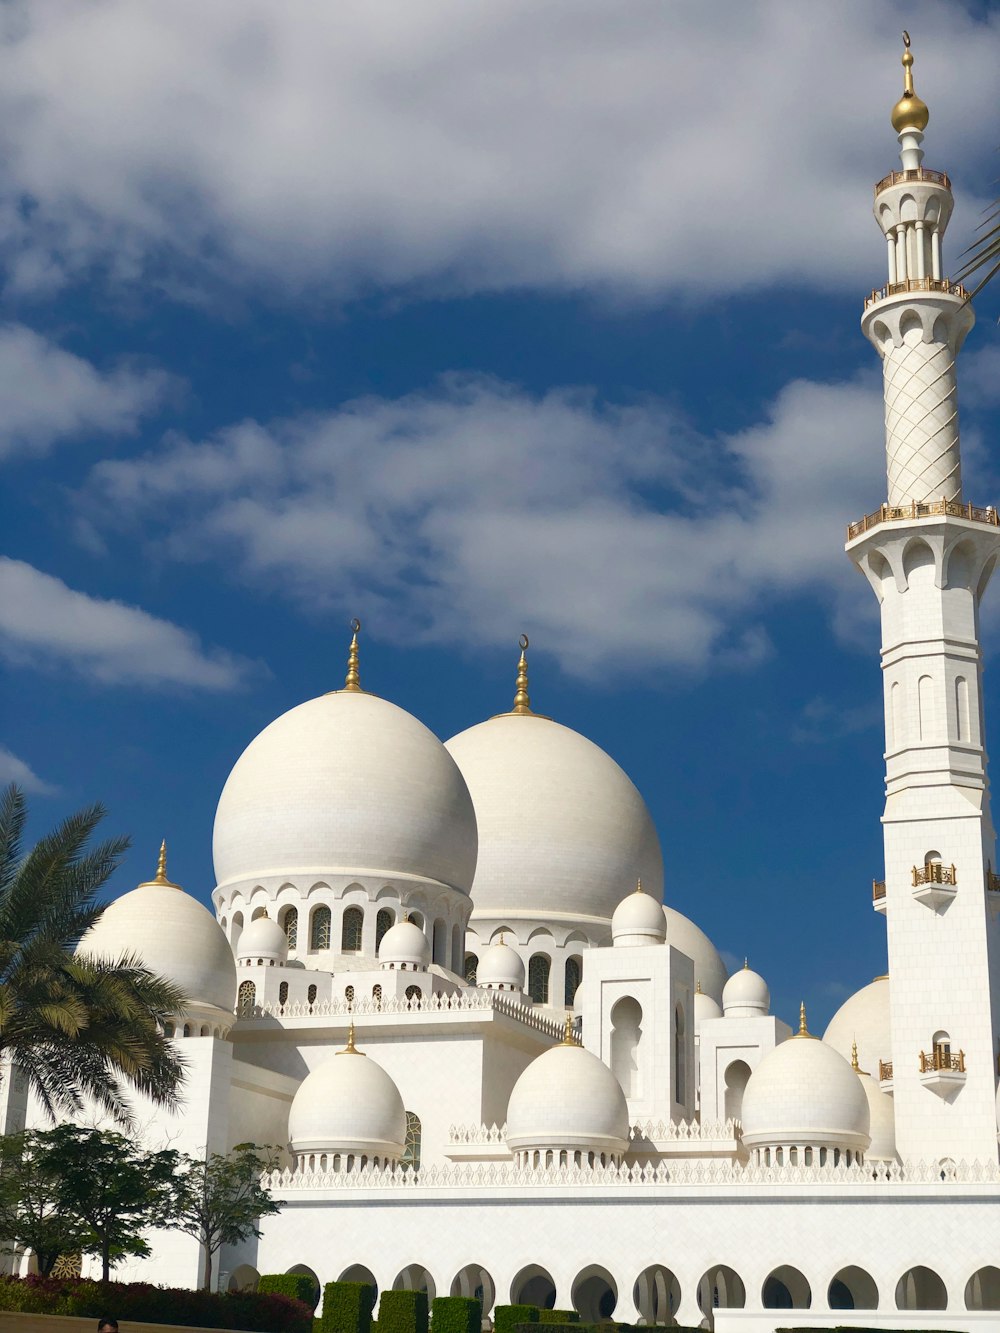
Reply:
x=929 y=557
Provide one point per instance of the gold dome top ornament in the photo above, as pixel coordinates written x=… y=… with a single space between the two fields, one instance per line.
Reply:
x=522 y=700
x=352 y=681
x=350 y=1048
x=161 y=869
x=569 y=1037
x=803 y=1026
x=909 y=113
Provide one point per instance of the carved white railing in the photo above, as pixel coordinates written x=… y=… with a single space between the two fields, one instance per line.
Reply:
x=500 y=1176
x=469 y=1001
x=683 y=1131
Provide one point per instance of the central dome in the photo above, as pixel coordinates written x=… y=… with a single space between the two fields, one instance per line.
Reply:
x=562 y=830
x=346 y=783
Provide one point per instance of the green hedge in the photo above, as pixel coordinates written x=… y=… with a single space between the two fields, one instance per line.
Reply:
x=402 y=1312
x=506 y=1318
x=456 y=1314
x=609 y=1326
x=298 y=1286
x=141 y=1301
x=347 y=1307
x=558 y=1317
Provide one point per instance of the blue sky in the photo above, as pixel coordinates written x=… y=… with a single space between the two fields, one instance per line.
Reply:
x=468 y=320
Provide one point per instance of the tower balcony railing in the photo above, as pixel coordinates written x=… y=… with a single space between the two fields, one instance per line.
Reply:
x=934 y=873
x=888 y=513
x=914 y=174
x=885 y=1071
x=917 y=285
x=992 y=880
x=941 y=1060
x=878 y=890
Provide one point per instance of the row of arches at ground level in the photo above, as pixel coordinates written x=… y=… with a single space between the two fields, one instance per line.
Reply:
x=656 y=1292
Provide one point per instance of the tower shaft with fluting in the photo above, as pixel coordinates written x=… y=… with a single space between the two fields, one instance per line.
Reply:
x=929 y=557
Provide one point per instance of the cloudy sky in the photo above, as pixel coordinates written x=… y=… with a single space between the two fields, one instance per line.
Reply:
x=472 y=319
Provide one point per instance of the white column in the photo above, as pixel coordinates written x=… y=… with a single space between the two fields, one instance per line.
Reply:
x=890 y=237
x=936 y=253
x=901 y=254
x=919 y=245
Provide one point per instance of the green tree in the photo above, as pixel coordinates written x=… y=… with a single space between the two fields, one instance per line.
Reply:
x=220 y=1198
x=31 y=1217
x=109 y=1187
x=80 y=1028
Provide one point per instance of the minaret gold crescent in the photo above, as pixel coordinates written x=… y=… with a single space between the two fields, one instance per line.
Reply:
x=522 y=700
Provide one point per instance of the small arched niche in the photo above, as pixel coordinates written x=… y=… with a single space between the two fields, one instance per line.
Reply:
x=920 y=1288
x=852 y=1289
x=786 y=1289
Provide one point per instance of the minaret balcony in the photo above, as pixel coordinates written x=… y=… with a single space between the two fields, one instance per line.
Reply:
x=992 y=880
x=909 y=177
x=942 y=1072
x=916 y=285
x=885 y=1075
x=924 y=509
x=878 y=895
x=934 y=884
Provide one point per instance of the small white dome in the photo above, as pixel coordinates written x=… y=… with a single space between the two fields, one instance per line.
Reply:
x=348 y=1104
x=863 y=1018
x=568 y=1098
x=881 y=1120
x=348 y=784
x=404 y=945
x=174 y=935
x=745 y=994
x=638 y=919
x=561 y=826
x=500 y=968
x=263 y=939
x=704 y=1007
x=804 y=1093
x=709 y=968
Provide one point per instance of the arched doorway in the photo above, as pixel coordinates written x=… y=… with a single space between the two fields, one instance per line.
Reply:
x=982 y=1291
x=415 y=1277
x=303 y=1270
x=243 y=1278
x=737 y=1077
x=533 y=1286
x=475 y=1284
x=626 y=1033
x=786 y=1289
x=852 y=1289
x=359 y=1273
x=595 y=1294
x=657 y=1295
x=721 y=1288
x=921 y=1288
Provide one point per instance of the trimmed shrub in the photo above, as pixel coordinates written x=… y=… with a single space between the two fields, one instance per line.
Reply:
x=506 y=1318
x=403 y=1312
x=456 y=1314
x=558 y=1317
x=347 y=1307
x=299 y=1286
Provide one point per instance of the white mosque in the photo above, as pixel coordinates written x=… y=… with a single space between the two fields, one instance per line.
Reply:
x=443 y=975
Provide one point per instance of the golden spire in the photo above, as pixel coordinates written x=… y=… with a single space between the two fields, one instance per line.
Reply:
x=352 y=684
x=638 y=886
x=909 y=113
x=350 y=1048
x=161 y=868
x=502 y=937
x=803 y=1028
x=568 y=1038
x=746 y=963
x=522 y=702
x=697 y=988
x=854 y=1057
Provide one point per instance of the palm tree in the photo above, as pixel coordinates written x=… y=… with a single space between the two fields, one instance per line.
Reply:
x=985 y=251
x=79 y=1028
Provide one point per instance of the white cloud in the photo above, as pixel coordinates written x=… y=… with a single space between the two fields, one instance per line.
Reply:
x=49 y=394
x=646 y=147
x=615 y=534
x=13 y=769
x=43 y=623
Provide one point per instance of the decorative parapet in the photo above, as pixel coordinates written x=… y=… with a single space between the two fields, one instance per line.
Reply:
x=684 y=1131
x=934 y=873
x=885 y=1071
x=469 y=1001
x=992 y=880
x=480 y=1176
x=888 y=513
x=477 y=1134
x=909 y=177
x=941 y=1061
x=878 y=890
x=917 y=285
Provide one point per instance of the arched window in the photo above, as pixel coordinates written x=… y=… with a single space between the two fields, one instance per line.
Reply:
x=574 y=974
x=349 y=994
x=237 y=929
x=414 y=994
x=626 y=1034
x=411 y=1151
x=350 y=931
x=377 y=994
x=471 y=968
x=383 y=922
x=246 y=999
x=538 y=978
x=737 y=1077
x=283 y=993
x=319 y=928
x=311 y=994
x=290 y=925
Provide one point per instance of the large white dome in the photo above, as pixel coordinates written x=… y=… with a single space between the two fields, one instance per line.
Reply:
x=346 y=783
x=562 y=830
x=709 y=968
x=863 y=1018
x=568 y=1098
x=348 y=1104
x=174 y=935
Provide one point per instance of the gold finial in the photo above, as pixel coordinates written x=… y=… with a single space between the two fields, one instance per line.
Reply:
x=697 y=988
x=638 y=886
x=568 y=1038
x=352 y=684
x=854 y=1057
x=909 y=113
x=522 y=701
x=803 y=1027
x=746 y=963
x=161 y=868
x=502 y=937
x=350 y=1048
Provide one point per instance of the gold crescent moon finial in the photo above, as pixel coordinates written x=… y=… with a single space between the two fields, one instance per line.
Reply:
x=906 y=39
x=803 y=1026
x=910 y=112
x=352 y=682
x=522 y=700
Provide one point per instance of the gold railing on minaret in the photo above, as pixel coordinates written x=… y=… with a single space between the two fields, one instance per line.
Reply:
x=916 y=285
x=885 y=1071
x=924 y=509
x=913 y=174
x=934 y=873
x=878 y=890
x=941 y=1060
x=992 y=880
